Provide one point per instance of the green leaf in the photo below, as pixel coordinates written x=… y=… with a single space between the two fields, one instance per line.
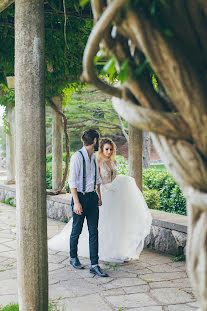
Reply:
x=124 y=72
x=140 y=69
x=84 y=2
x=153 y=7
x=98 y=56
x=168 y=32
x=109 y=67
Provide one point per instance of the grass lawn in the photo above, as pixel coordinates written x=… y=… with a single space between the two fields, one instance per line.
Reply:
x=158 y=166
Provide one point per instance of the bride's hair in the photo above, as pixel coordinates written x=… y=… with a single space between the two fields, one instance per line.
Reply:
x=103 y=141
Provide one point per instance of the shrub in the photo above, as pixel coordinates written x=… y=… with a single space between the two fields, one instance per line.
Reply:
x=152 y=198
x=155 y=178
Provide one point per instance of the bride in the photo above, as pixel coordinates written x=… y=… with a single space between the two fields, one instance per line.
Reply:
x=124 y=218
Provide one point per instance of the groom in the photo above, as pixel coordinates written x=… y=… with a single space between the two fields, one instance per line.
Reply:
x=84 y=182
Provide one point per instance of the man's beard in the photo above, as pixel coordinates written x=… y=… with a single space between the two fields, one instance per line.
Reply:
x=96 y=146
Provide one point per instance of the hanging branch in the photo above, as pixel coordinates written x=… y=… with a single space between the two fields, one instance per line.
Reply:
x=67 y=146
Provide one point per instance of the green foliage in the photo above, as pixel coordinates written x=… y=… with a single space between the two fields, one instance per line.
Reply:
x=179 y=258
x=15 y=307
x=8 y=97
x=65 y=219
x=9 y=201
x=10 y=307
x=171 y=197
x=122 y=165
x=63 y=61
x=152 y=198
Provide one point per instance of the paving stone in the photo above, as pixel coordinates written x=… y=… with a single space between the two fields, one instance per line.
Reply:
x=136 y=289
x=163 y=276
x=62 y=275
x=180 y=307
x=55 y=266
x=193 y=304
x=8 y=287
x=92 y=303
x=179 y=283
x=123 y=282
x=166 y=268
x=153 y=308
x=73 y=288
x=131 y=301
x=171 y=296
x=7 y=274
x=4 y=248
x=113 y=292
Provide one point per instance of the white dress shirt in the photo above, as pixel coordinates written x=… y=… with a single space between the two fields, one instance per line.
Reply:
x=76 y=171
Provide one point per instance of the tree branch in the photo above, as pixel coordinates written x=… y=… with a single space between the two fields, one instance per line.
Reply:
x=4 y=4
x=162 y=123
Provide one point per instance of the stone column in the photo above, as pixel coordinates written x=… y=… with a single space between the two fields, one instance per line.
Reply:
x=10 y=144
x=57 y=145
x=32 y=262
x=135 y=155
x=146 y=149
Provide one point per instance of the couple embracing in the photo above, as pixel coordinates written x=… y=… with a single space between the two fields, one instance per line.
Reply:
x=118 y=219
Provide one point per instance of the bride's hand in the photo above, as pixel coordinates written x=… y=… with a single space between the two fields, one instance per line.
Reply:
x=77 y=208
x=99 y=202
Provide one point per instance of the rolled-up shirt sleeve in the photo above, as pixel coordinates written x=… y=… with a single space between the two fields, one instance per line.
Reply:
x=74 y=171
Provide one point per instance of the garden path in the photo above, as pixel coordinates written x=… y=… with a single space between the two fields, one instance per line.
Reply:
x=152 y=283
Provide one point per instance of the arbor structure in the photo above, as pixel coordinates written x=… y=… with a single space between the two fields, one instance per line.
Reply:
x=32 y=264
x=160 y=51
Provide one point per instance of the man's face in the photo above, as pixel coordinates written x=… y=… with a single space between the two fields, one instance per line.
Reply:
x=96 y=145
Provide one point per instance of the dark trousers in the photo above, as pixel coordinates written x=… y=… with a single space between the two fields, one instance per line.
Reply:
x=89 y=203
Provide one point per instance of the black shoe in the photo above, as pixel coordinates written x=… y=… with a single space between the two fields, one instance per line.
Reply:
x=76 y=263
x=97 y=271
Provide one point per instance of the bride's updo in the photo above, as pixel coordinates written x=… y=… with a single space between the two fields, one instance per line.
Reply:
x=103 y=141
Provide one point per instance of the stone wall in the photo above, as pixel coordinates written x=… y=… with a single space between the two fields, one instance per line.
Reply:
x=168 y=232
x=58 y=207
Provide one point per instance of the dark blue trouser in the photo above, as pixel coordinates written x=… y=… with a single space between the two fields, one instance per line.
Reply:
x=89 y=203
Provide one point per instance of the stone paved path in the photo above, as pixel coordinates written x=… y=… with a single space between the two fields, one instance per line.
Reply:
x=152 y=283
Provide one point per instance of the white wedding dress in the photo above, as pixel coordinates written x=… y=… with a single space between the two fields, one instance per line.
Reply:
x=124 y=220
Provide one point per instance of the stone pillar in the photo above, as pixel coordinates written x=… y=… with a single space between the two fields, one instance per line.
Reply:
x=57 y=145
x=10 y=144
x=135 y=155
x=146 y=149
x=32 y=262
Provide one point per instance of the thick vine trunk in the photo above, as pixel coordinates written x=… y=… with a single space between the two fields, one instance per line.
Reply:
x=4 y=4
x=57 y=145
x=135 y=155
x=32 y=267
x=171 y=103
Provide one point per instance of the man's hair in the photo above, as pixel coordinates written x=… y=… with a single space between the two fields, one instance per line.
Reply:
x=88 y=137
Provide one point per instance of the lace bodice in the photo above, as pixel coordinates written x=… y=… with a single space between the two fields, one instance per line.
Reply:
x=107 y=174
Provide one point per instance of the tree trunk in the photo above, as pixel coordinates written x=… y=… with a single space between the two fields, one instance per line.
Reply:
x=57 y=145
x=10 y=144
x=135 y=155
x=32 y=266
x=146 y=149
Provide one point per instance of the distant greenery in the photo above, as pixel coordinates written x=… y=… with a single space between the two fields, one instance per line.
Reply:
x=9 y=201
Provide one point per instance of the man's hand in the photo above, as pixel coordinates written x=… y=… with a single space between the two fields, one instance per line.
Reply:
x=77 y=208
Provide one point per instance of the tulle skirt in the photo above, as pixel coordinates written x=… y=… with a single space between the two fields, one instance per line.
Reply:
x=124 y=222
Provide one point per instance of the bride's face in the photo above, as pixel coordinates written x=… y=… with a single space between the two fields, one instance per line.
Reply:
x=107 y=151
